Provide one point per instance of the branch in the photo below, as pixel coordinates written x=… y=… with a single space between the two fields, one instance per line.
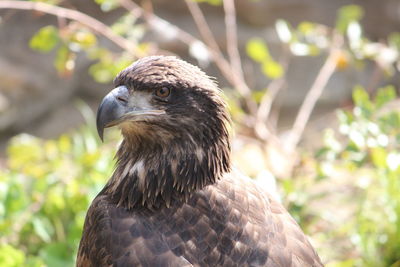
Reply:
x=157 y=23
x=231 y=37
x=265 y=106
x=154 y=21
x=88 y=21
x=313 y=95
x=210 y=41
x=268 y=98
x=202 y=25
x=226 y=69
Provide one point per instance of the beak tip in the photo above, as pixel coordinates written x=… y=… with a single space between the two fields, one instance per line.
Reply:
x=100 y=127
x=100 y=131
x=110 y=109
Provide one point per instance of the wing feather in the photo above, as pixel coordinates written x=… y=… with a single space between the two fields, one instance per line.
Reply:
x=231 y=223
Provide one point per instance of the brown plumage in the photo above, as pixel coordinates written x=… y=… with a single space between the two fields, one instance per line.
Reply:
x=173 y=199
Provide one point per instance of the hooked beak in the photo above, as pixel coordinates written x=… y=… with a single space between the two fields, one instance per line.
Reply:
x=115 y=109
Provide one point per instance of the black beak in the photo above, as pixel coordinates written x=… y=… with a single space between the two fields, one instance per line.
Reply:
x=112 y=109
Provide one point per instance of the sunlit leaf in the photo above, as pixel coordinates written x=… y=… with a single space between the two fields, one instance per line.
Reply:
x=306 y=27
x=107 y=5
x=354 y=34
x=378 y=157
x=124 y=25
x=394 y=40
x=57 y=254
x=45 y=39
x=345 y=263
x=284 y=31
x=105 y=70
x=211 y=2
x=65 y=61
x=362 y=100
x=385 y=95
x=64 y=143
x=84 y=38
x=303 y=49
x=346 y=15
x=272 y=69
x=257 y=50
x=200 y=52
x=43 y=228
x=258 y=95
x=11 y=257
x=393 y=161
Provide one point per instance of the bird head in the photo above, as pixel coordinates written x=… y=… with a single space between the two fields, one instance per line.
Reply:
x=175 y=128
x=164 y=94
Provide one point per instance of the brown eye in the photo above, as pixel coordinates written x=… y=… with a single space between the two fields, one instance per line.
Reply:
x=163 y=92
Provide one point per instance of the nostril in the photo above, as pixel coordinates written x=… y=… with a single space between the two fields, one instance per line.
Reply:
x=122 y=99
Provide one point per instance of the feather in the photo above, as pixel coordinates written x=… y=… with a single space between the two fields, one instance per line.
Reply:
x=173 y=199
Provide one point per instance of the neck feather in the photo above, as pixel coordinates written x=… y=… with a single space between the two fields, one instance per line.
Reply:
x=151 y=175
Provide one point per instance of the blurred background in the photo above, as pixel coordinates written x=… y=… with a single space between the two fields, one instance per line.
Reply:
x=312 y=88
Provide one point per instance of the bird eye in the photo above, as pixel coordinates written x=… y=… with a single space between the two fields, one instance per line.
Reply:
x=163 y=92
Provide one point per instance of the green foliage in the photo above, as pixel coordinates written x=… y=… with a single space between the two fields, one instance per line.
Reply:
x=211 y=2
x=347 y=15
x=108 y=66
x=259 y=52
x=307 y=39
x=107 y=5
x=11 y=257
x=47 y=185
x=369 y=151
x=45 y=39
x=44 y=194
x=73 y=38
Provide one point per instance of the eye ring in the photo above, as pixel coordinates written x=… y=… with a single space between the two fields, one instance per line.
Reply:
x=163 y=92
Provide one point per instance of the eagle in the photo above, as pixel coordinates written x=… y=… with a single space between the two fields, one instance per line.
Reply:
x=174 y=199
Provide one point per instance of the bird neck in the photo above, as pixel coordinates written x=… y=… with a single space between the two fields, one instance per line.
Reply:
x=151 y=175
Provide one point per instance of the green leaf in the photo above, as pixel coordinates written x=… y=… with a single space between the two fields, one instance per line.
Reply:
x=102 y=72
x=257 y=50
x=306 y=27
x=11 y=257
x=361 y=99
x=283 y=30
x=64 y=61
x=258 y=95
x=57 y=254
x=272 y=69
x=385 y=95
x=378 y=157
x=43 y=228
x=211 y=2
x=107 y=5
x=394 y=40
x=45 y=39
x=346 y=15
x=105 y=70
x=360 y=96
x=84 y=38
x=345 y=263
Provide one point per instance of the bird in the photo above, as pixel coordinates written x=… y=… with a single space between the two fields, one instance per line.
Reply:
x=174 y=198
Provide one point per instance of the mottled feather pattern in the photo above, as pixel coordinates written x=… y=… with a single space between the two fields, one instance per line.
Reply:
x=221 y=225
x=173 y=199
